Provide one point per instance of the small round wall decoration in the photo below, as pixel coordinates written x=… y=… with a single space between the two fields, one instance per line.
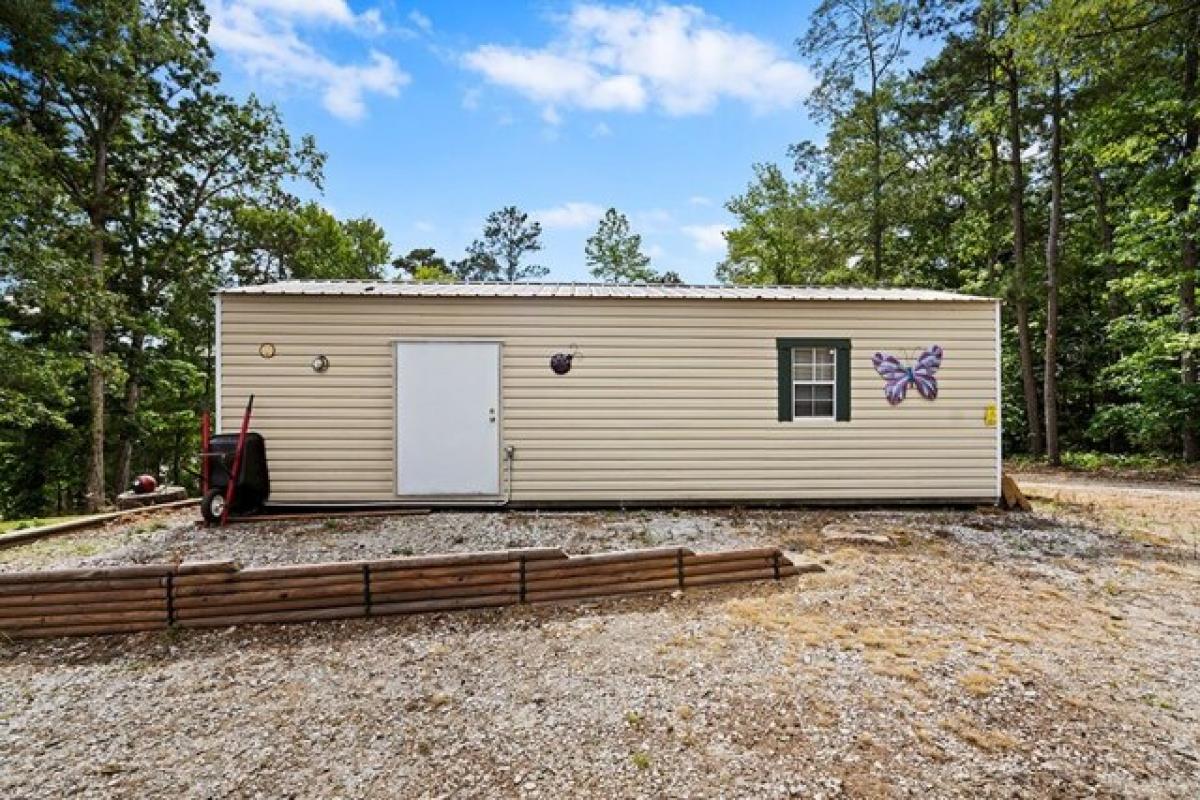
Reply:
x=560 y=363
x=266 y=350
x=320 y=364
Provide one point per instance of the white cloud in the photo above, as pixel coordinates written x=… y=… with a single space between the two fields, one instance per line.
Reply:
x=569 y=215
x=676 y=58
x=324 y=10
x=601 y=130
x=264 y=37
x=420 y=20
x=653 y=220
x=550 y=116
x=700 y=200
x=707 y=238
x=549 y=78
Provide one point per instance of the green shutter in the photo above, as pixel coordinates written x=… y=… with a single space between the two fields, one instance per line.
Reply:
x=842 y=390
x=841 y=347
x=786 y=407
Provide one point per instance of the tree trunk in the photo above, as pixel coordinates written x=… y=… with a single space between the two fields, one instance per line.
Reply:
x=1188 y=255
x=1020 y=293
x=97 y=332
x=876 y=188
x=1103 y=391
x=1105 y=229
x=133 y=396
x=1053 y=253
x=996 y=210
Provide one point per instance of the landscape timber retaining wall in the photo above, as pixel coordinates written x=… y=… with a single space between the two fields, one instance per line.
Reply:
x=103 y=600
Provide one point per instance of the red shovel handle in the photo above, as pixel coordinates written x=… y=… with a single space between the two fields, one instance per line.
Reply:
x=204 y=428
x=231 y=489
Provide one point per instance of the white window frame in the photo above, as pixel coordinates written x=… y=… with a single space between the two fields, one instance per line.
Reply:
x=832 y=383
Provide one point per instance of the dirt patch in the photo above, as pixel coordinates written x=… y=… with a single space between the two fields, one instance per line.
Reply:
x=982 y=655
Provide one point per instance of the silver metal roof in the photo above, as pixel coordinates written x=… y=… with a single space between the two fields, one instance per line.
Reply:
x=595 y=290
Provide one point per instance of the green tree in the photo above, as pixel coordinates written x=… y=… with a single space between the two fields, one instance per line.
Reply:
x=855 y=46
x=781 y=236
x=509 y=236
x=75 y=78
x=186 y=184
x=424 y=264
x=307 y=243
x=43 y=382
x=614 y=253
x=1140 y=66
x=113 y=105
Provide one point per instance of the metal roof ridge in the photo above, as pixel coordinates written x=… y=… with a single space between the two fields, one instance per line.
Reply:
x=587 y=289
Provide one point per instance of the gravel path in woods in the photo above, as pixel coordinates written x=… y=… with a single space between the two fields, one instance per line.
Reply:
x=981 y=655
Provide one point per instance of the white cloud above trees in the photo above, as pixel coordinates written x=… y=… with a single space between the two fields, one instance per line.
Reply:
x=570 y=215
x=677 y=59
x=273 y=41
x=707 y=238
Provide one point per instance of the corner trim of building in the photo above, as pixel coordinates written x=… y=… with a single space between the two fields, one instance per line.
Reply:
x=217 y=387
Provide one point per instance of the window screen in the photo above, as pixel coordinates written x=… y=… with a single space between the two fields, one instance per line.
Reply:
x=814 y=381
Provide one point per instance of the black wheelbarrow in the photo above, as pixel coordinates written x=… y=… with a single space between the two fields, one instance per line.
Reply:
x=253 y=487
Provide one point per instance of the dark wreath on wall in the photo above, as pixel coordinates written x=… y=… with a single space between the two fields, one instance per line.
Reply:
x=560 y=363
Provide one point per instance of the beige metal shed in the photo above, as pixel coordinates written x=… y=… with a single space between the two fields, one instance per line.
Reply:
x=446 y=394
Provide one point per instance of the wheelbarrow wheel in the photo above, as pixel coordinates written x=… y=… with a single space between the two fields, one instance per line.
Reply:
x=213 y=506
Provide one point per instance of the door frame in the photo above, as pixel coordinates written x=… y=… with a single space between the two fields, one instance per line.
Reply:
x=462 y=499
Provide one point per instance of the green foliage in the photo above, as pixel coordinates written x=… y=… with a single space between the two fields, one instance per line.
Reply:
x=132 y=189
x=856 y=47
x=780 y=235
x=307 y=243
x=914 y=186
x=1149 y=466
x=424 y=264
x=615 y=254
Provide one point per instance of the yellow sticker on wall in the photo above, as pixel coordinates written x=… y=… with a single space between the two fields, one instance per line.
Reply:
x=990 y=417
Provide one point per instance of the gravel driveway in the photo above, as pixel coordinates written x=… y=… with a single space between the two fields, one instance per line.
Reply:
x=980 y=655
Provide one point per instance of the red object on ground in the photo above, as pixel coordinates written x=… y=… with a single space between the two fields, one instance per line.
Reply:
x=231 y=489
x=144 y=484
x=204 y=453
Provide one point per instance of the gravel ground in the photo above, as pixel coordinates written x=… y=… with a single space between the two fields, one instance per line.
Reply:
x=180 y=537
x=981 y=655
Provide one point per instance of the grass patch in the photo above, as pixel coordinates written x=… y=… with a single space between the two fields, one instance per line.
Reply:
x=979 y=684
x=981 y=738
x=891 y=668
x=1129 y=466
x=15 y=525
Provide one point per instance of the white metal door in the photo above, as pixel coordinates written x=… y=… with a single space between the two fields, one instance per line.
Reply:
x=448 y=418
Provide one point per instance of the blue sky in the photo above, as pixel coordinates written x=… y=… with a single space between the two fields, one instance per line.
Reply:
x=433 y=115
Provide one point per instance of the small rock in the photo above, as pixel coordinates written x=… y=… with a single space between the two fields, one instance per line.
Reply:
x=846 y=534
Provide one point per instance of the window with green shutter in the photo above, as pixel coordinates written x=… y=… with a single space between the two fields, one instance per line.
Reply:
x=814 y=379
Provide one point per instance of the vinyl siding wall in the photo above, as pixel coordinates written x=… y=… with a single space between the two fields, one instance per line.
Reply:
x=668 y=399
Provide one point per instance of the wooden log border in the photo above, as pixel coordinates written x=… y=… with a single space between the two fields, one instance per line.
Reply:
x=106 y=600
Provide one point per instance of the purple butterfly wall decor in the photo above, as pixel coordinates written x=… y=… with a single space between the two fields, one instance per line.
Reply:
x=897 y=377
